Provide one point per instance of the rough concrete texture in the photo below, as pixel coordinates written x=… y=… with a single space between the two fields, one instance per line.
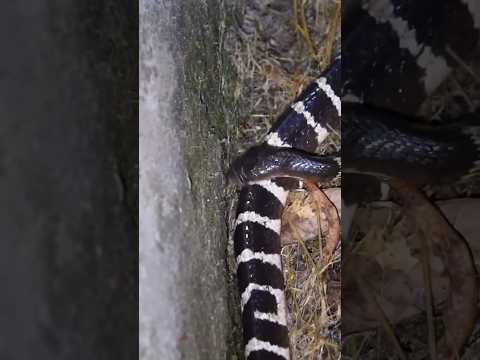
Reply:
x=68 y=249
x=185 y=292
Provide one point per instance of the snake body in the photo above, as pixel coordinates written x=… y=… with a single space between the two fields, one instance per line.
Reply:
x=286 y=152
x=397 y=52
x=388 y=144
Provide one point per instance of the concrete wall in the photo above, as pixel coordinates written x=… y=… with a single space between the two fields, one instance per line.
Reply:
x=187 y=309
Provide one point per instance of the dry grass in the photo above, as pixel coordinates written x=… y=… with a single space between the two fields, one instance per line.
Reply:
x=273 y=66
x=279 y=48
x=313 y=295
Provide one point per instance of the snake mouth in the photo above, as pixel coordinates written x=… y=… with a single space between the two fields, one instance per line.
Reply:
x=234 y=176
x=266 y=162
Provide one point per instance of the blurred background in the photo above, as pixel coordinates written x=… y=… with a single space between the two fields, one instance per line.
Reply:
x=69 y=183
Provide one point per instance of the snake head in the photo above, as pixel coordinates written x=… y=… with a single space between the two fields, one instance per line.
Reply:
x=240 y=172
x=250 y=166
x=265 y=162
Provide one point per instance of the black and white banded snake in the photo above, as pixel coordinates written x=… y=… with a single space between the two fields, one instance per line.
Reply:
x=396 y=53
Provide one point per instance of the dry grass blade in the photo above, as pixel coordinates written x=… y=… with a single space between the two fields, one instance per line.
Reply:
x=315 y=308
x=328 y=46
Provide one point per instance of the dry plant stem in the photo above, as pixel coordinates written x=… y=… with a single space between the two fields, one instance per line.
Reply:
x=295 y=14
x=302 y=28
x=306 y=32
x=427 y=279
x=327 y=53
x=369 y=295
x=323 y=204
x=462 y=310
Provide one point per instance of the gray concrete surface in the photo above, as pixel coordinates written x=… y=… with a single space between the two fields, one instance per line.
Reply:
x=68 y=239
x=162 y=187
x=186 y=301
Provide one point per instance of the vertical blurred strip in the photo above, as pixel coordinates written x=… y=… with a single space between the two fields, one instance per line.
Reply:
x=69 y=179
